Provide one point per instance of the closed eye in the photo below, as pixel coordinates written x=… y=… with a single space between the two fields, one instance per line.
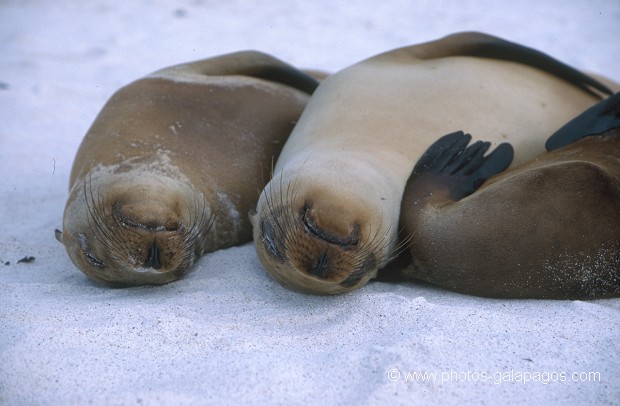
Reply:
x=269 y=241
x=90 y=257
x=94 y=261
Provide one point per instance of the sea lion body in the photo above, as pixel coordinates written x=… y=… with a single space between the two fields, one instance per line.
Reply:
x=174 y=161
x=330 y=217
x=547 y=229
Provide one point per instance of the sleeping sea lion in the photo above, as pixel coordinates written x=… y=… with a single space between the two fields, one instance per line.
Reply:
x=546 y=229
x=329 y=219
x=173 y=163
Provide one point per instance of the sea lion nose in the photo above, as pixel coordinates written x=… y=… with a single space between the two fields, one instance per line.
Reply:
x=331 y=233
x=321 y=267
x=330 y=227
x=152 y=261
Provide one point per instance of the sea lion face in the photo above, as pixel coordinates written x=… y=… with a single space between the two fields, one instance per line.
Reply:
x=123 y=235
x=316 y=240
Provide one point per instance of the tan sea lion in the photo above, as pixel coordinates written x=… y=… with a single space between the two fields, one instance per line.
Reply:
x=173 y=163
x=329 y=219
x=547 y=229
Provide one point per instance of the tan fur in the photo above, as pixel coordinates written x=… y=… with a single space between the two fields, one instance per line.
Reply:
x=354 y=147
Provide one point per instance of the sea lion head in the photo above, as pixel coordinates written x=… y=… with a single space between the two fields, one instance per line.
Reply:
x=124 y=229
x=320 y=237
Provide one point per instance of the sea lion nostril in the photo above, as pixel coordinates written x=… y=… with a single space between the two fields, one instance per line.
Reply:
x=152 y=261
x=320 y=267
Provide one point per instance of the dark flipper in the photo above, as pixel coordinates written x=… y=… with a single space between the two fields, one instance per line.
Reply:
x=596 y=120
x=487 y=46
x=287 y=75
x=254 y=64
x=450 y=163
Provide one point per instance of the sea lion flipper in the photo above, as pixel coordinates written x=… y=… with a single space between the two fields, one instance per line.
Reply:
x=248 y=63
x=596 y=120
x=459 y=169
x=479 y=45
x=488 y=46
x=287 y=75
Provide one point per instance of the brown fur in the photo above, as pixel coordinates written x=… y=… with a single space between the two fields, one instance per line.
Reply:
x=548 y=229
x=173 y=163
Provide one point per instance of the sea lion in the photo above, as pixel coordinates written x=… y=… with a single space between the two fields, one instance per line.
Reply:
x=329 y=219
x=174 y=161
x=546 y=229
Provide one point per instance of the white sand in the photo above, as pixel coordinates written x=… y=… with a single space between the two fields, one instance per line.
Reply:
x=227 y=332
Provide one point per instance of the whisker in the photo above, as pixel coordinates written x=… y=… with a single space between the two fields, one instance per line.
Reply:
x=200 y=226
x=403 y=245
x=95 y=222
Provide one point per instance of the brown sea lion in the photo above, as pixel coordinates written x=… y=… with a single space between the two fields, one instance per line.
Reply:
x=548 y=228
x=173 y=163
x=329 y=219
